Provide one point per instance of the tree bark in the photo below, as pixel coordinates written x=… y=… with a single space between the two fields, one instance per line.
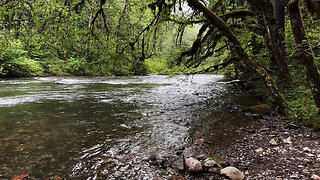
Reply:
x=277 y=42
x=214 y=20
x=279 y=12
x=304 y=51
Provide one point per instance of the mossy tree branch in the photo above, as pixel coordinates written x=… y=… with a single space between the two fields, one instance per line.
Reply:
x=217 y=22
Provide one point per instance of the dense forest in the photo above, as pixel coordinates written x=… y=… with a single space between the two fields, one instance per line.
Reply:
x=272 y=46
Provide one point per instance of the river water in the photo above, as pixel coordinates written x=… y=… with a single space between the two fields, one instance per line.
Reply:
x=71 y=127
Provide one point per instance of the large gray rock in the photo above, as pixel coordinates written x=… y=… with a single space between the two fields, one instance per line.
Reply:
x=193 y=165
x=232 y=173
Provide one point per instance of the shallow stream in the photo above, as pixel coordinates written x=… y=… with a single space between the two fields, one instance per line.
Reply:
x=71 y=126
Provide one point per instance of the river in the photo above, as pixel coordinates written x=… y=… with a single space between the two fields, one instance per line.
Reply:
x=71 y=127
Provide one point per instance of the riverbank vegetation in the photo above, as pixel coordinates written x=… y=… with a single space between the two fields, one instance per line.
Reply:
x=272 y=46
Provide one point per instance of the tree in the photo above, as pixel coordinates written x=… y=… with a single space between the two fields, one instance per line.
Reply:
x=217 y=22
x=304 y=50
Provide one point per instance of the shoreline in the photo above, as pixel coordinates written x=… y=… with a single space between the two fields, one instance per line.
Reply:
x=295 y=155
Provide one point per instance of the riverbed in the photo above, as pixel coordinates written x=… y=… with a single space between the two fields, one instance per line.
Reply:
x=77 y=127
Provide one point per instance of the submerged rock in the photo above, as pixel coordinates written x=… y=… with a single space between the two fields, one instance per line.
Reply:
x=232 y=173
x=193 y=165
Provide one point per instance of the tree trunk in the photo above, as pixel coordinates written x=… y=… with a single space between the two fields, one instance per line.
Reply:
x=279 y=12
x=214 y=20
x=305 y=52
x=277 y=42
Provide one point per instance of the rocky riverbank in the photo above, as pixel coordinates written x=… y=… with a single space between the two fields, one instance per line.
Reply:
x=276 y=150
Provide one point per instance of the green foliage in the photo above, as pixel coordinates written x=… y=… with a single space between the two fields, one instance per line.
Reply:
x=80 y=41
x=156 y=65
x=300 y=103
x=76 y=66
x=15 y=62
x=301 y=106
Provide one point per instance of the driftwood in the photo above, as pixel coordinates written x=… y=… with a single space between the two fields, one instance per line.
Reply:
x=241 y=81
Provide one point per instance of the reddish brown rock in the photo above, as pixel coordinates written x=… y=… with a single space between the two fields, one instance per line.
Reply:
x=193 y=165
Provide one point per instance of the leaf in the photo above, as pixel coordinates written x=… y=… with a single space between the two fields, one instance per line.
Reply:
x=21 y=177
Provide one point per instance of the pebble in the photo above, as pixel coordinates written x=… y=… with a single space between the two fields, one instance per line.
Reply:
x=287 y=141
x=259 y=150
x=202 y=156
x=214 y=170
x=209 y=163
x=294 y=176
x=306 y=149
x=152 y=156
x=273 y=142
x=199 y=141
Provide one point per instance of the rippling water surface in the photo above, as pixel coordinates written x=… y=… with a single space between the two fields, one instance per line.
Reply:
x=66 y=126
